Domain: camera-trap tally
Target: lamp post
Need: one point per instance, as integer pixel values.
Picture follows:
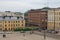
(44, 30)
(44, 35)
(4, 35)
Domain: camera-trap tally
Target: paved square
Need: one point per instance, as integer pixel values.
(21, 36)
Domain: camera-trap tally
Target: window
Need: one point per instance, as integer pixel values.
(0, 25)
(46, 17)
(21, 17)
(22, 24)
(22, 21)
(17, 17)
(8, 21)
(59, 23)
(9, 28)
(9, 24)
(3, 17)
(59, 13)
(10, 17)
(0, 21)
(42, 22)
(56, 13)
(5, 28)
(16, 21)
(16, 24)
(13, 24)
(59, 18)
(5, 25)
(43, 13)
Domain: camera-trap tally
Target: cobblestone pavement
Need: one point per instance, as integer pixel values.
(22, 36)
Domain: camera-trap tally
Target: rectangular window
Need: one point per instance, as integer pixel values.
(3, 17)
(17, 17)
(0, 21)
(0, 25)
(10, 17)
(16, 21)
(5, 28)
(22, 24)
(59, 13)
(59, 23)
(56, 13)
(16, 24)
(9, 28)
(59, 18)
(5, 25)
(8, 21)
(22, 21)
(9, 24)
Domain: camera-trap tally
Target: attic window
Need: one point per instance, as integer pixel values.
(7, 11)
(3, 17)
(9, 16)
(17, 17)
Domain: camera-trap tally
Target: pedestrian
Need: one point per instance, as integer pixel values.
(4, 35)
(24, 34)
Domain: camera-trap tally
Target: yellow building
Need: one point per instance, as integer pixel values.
(11, 22)
(54, 19)
(10, 25)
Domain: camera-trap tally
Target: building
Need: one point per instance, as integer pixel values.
(11, 21)
(26, 21)
(54, 19)
(38, 18)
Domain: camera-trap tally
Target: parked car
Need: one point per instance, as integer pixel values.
(52, 31)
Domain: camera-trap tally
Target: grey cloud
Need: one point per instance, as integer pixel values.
(23, 5)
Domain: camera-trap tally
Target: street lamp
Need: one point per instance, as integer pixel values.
(44, 34)
(44, 29)
(4, 35)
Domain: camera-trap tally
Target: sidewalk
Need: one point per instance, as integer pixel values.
(55, 36)
(19, 36)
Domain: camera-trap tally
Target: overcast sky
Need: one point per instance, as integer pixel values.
(24, 5)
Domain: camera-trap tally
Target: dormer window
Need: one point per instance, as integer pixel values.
(7, 11)
(17, 17)
(10, 17)
(3, 17)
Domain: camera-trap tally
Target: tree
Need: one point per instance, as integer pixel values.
(46, 8)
